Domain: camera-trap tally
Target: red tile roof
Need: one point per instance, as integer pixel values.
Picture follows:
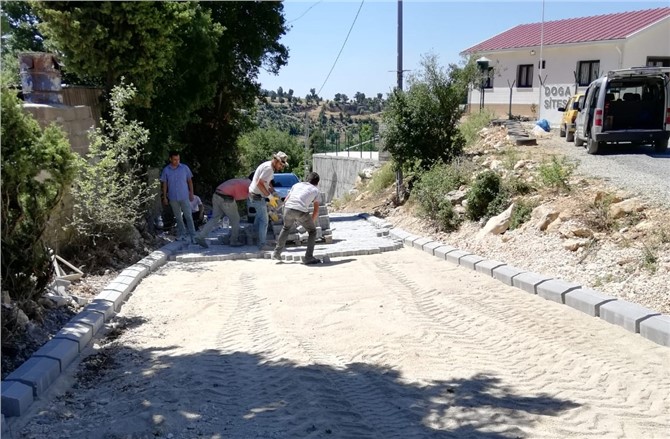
(573, 30)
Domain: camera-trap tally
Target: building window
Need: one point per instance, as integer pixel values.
(658, 61)
(588, 72)
(488, 79)
(524, 76)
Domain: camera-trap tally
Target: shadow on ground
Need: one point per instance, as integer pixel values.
(241, 395)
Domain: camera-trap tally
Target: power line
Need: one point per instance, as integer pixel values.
(341, 49)
(303, 14)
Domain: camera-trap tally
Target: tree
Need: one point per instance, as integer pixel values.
(111, 189)
(421, 123)
(37, 167)
(258, 146)
(113, 39)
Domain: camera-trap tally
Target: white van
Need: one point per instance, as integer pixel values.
(626, 106)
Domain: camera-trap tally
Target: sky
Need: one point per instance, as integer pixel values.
(343, 47)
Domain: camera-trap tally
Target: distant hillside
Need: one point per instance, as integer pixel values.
(333, 124)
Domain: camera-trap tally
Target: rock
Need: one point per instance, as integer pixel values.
(574, 244)
(544, 215)
(581, 232)
(456, 197)
(623, 208)
(498, 224)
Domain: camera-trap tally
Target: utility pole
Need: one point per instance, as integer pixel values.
(398, 175)
(307, 155)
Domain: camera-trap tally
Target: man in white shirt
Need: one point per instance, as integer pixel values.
(296, 209)
(197, 211)
(260, 189)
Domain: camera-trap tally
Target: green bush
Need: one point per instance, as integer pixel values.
(111, 190)
(484, 191)
(431, 189)
(521, 213)
(556, 173)
(37, 166)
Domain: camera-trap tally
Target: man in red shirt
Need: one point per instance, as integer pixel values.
(224, 203)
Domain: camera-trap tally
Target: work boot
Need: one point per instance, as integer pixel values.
(276, 256)
(312, 261)
(201, 242)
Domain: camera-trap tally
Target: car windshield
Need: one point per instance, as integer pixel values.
(285, 180)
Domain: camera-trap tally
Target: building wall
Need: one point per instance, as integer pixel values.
(561, 65)
(338, 173)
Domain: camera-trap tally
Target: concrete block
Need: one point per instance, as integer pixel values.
(103, 307)
(587, 301)
(556, 289)
(487, 266)
(470, 261)
(16, 398)
(62, 350)
(506, 274)
(78, 332)
(112, 296)
(656, 329)
(36, 372)
(455, 256)
(399, 233)
(431, 246)
(442, 251)
(419, 243)
(120, 287)
(625, 314)
(528, 281)
(93, 319)
(136, 271)
(409, 240)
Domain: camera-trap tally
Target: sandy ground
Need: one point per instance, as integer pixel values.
(394, 345)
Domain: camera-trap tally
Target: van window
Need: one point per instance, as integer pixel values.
(587, 72)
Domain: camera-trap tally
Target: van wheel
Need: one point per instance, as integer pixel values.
(592, 146)
(561, 131)
(578, 141)
(661, 146)
(570, 136)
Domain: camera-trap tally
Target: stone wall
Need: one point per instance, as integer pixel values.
(75, 121)
(338, 173)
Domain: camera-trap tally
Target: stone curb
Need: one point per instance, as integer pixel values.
(35, 375)
(649, 324)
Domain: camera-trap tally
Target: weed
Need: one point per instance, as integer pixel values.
(598, 216)
(556, 173)
(649, 258)
(474, 123)
(383, 178)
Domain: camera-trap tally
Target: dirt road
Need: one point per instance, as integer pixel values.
(393, 345)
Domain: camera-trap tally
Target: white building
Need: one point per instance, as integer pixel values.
(542, 64)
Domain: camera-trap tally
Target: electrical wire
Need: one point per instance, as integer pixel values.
(342, 48)
(303, 14)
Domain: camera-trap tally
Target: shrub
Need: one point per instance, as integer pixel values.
(485, 189)
(598, 216)
(555, 174)
(431, 189)
(521, 214)
(37, 166)
(111, 190)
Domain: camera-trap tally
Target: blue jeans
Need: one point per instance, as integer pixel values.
(182, 209)
(261, 219)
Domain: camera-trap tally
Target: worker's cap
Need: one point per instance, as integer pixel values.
(282, 157)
